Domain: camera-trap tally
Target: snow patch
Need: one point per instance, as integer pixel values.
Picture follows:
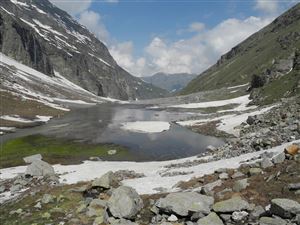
(146, 126)
(242, 85)
(71, 174)
(7, 11)
(17, 118)
(239, 100)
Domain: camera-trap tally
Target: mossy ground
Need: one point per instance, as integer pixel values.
(54, 150)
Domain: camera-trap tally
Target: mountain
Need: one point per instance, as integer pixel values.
(47, 39)
(170, 82)
(271, 55)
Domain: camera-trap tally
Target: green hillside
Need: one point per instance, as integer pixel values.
(265, 53)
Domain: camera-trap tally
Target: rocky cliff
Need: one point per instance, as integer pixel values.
(40, 35)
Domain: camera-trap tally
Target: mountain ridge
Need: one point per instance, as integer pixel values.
(171, 82)
(48, 39)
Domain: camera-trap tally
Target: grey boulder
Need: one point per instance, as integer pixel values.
(231, 205)
(211, 219)
(125, 203)
(39, 168)
(285, 208)
(271, 221)
(104, 181)
(240, 185)
(184, 203)
(30, 159)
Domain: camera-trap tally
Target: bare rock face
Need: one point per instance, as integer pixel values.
(285, 208)
(125, 203)
(44, 37)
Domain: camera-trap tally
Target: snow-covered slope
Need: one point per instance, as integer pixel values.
(24, 81)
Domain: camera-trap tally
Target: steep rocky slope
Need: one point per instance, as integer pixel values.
(171, 82)
(272, 54)
(40, 35)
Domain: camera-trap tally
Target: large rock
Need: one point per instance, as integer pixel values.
(266, 163)
(104, 181)
(30, 159)
(211, 219)
(284, 208)
(184, 203)
(271, 221)
(39, 168)
(231, 205)
(125, 203)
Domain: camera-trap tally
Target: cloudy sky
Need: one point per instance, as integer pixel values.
(172, 36)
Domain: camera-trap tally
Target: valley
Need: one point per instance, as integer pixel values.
(82, 141)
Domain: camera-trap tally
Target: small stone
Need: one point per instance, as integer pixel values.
(255, 171)
(46, 215)
(266, 163)
(211, 219)
(279, 158)
(15, 188)
(47, 198)
(223, 176)
(239, 216)
(237, 174)
(294, 187)
(38, 205)
(240, 185)
(105, 181)
(172, 218)
(98, 220)
(112, 152)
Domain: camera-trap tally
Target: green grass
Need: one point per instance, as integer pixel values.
(281, 88)
(254, 56)
(54, 150)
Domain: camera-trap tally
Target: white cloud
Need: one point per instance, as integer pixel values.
(267, 6)
(73, 7)
(93, 22)
(196, 27)
(195, 54)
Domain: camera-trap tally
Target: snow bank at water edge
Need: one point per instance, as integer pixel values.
(146, 126)
(90, 170)
(17, 118)
(242, 100)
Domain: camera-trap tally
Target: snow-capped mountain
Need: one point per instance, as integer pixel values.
(47, 39)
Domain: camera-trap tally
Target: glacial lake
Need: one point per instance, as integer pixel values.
(102, 124)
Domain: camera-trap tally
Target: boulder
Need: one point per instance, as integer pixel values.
(271, 221)
(172, 218)
(237, 174)
(285, 208)
(231, 205)
(125, 203)
(208, 188)
(240, 185)
(279, 158)
(184, 203)
(30, 159)
(294, 187)
(251, 120)
(39, 168)
(105, 181)
(223, 176)
(292, 149)
(211, 219)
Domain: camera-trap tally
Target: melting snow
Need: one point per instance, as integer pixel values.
(17, 118)
(7, 11)
(146, 126)
(244, 100)
(146, 185)
(242, 85)
(100, 60)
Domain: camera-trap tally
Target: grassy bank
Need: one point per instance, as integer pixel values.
(55, 150)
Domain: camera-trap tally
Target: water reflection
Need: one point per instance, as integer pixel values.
(101, 124)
